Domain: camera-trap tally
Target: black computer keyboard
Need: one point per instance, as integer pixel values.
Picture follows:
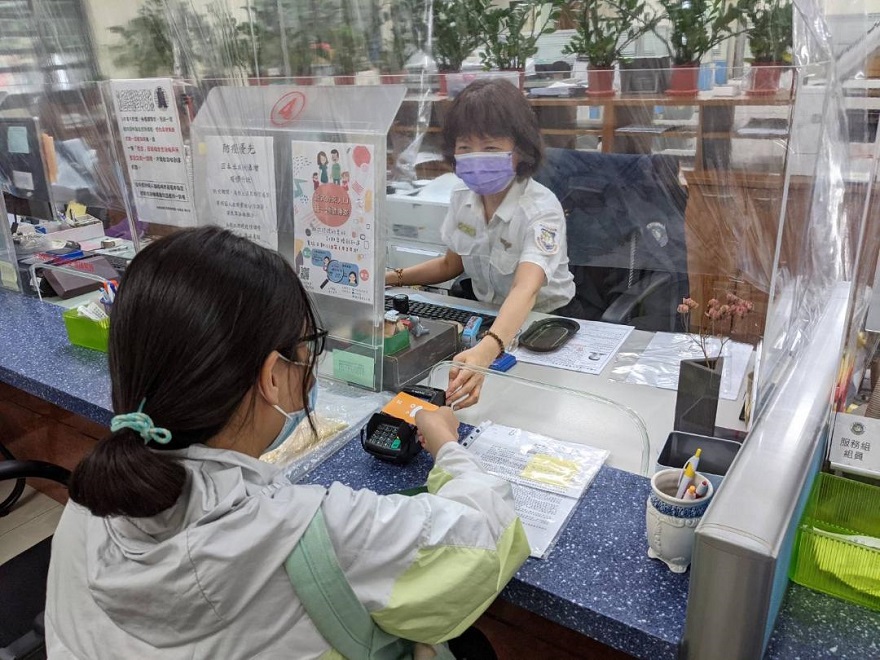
(442, 312)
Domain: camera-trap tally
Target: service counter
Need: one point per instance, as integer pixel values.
(597, 581)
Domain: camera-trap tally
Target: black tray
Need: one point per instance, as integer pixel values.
(548, 335)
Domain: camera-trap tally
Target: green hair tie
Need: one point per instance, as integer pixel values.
(142, 424)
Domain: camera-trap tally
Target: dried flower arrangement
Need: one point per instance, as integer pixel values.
(716, 322)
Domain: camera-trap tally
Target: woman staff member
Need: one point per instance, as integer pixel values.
(504, 230)
(175, 540)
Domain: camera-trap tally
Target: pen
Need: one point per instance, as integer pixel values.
(686, 480)
(109, 292)
(693, 461)
(691, 494)
(702, 488)
(66, 258)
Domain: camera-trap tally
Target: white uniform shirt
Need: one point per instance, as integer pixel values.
(529, 226)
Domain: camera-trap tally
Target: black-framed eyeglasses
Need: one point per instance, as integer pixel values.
(315, 342)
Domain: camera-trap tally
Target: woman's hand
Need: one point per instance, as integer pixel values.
(436, 428)
(464, 384)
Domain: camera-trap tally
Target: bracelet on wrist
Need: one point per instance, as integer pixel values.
(399, 273)
(497, 339)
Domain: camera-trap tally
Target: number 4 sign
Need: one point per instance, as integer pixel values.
(288, 108)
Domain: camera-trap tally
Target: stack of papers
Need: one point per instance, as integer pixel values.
(548, 476)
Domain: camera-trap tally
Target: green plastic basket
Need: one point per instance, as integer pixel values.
(83, 331)
(844, 568)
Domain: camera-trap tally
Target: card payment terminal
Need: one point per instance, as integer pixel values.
(391, 439)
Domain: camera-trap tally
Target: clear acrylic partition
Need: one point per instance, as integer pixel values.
(556, 412)
(699, 187)
(342, 411)
(301, 170)
(58, 164)
(8, 266)
(667, 195)
(829, 237)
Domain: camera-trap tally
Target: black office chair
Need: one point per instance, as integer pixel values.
(23, 578)
(625, 229)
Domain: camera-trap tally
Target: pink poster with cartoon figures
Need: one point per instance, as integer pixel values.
(334, 218)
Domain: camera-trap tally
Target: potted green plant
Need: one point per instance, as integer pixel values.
(347, 47)
(455, 35)
(145, 44)
(770, 40)
(603, 30)
(509, 35)
(301, 55)
(697, 26)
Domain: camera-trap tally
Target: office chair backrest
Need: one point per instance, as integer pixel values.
(23, 578)
(625, 221)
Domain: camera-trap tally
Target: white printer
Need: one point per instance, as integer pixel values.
(414, 219)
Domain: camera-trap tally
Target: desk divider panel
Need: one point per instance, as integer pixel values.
(556, 412)
(301, 170)
(8, 262)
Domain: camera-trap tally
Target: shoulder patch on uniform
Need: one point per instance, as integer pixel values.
(467, 229)
(547, 238)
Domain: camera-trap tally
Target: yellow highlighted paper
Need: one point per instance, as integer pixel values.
(550, 470)
(7, 274)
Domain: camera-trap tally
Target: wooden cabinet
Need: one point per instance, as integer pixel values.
(731, 225)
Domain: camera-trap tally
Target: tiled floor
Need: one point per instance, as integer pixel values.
(33, 518)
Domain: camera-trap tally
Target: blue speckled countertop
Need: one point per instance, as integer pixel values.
(37, 358)
(598, 580)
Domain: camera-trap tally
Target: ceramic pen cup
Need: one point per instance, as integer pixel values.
(671, 521)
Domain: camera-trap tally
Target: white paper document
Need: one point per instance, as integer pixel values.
(156, 157)
(239, 185)
(548, 476)
(659, 364)
(589, 351)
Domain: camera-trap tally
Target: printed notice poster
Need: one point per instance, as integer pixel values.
(333, 212)
(154, 153)
(240, 183)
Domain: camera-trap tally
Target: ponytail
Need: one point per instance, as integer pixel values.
(122, 477)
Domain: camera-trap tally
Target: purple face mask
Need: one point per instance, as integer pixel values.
(486, 173)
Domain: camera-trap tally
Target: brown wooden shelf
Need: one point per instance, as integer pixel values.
(571, 131)
(702, 99)
(671, 133)
(739, 178)
(739, 136)
(398, 128)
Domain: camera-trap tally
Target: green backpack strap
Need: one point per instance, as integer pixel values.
(331, 603)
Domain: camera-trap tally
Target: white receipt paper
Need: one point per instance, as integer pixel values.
(548, 477)
(589, 351)
(660, 362)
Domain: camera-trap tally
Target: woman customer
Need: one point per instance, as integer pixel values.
(178, 542)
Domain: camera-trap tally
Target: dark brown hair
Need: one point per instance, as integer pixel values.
(495, 108)
(197, 314)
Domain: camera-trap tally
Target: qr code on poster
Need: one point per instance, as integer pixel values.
(304, 273)
(135, 100)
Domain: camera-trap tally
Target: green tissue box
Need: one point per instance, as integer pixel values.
(837, 550)
(83, 331)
